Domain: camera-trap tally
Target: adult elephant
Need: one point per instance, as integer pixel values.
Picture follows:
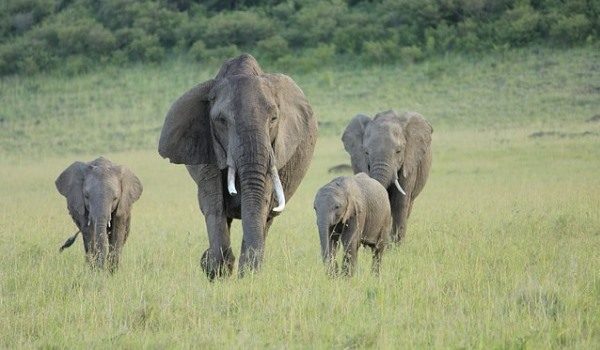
(247, 130)
(396, 151)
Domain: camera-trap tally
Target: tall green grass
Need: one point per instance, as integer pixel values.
(502, 249)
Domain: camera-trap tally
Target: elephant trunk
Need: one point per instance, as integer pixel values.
(383, 173)
(253, 169)
(324, 235)
(101, 241)
(386, 176)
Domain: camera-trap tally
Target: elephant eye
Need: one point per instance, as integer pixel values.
(273, 119)
(398, 151)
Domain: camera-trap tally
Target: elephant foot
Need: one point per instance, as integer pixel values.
(250, 262)
(217, 266)
(397, 238)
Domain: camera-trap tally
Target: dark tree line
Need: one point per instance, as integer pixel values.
(76, 35)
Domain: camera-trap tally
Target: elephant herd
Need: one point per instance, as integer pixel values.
(247, 138)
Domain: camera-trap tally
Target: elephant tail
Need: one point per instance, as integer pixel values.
(69, 242)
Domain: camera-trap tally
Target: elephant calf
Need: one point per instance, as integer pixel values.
(99, 198)
(356, 210)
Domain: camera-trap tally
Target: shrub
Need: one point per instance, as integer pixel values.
(21, 22)
(356, 28)
(100, 41)
(75, 65)
(198, 50)
(309, 59)
(411, 54)
(219, 54)
(314, 23)
(519, 26)
(570, 29)
(145, 47)
(240, 28)
(273, 48)
(380, 51)
(34, 34)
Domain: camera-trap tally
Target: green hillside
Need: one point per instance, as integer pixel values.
(76, 36)
(115, 109)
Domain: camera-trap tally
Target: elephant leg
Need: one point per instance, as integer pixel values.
(400, 205)
(116, 240)
(88, 245)
(218, 259)
(376, 265)
(350, 254)
(331, 263)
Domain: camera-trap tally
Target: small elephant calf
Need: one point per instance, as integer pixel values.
(356, 210)
(99, 198)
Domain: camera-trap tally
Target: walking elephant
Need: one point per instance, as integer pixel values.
(247, 131)
(396, 151)
(99, 198)
(355, 210)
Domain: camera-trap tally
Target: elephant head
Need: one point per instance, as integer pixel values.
(245, 121)
(389, 148)
(96, 193)
(335, 205)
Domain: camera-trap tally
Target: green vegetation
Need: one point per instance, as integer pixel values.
(78, 35)
(116, 109)
(502, 246)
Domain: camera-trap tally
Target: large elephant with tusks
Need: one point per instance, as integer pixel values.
(247, 139)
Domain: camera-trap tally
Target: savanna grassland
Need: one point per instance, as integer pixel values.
(502, 250)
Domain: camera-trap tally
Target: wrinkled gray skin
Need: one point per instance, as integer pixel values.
(99, 198)
(390, 147)
(255, 124)
(355, 210)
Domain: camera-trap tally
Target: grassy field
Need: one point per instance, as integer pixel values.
(502, 250)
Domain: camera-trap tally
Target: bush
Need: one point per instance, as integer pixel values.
(309, 59)
(219, 54)
(75, 65)
(240, 28)
(380, 51)
(273, 48)
(519, 26)
(314, 23)
(198, 50)
(145, 47)
(570, 29)
(355, 29)
(411, 54)
(34, 34)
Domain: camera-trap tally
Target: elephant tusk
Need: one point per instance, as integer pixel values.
(399, 187)
(231, 180)
(109, 223)
(89, 222)
(278, 190)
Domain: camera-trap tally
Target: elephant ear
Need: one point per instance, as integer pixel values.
(353, 142)
(70, 184)
(355, 208)
(296, 121)
(417, 132)
(131, 190)
(186, 135)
